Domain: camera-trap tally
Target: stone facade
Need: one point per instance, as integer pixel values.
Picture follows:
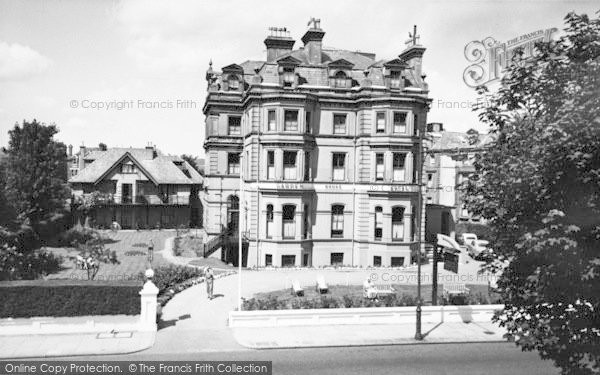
(328, 143)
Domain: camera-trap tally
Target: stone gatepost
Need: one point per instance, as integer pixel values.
(149, 304)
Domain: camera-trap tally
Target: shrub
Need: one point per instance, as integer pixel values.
(16, 265)
(168, 276)
(25, 299)
(326, 302)
(80, 235)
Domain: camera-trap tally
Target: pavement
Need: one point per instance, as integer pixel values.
(108, 335)
(365, 335)
(192, 323)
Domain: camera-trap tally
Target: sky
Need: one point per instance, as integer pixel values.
(130, 73)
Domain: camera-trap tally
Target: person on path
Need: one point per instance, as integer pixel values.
(150, 251)
(210, 279)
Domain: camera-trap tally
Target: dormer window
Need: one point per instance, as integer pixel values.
(340, 80)
(287, 72)
(395, 80)
(234, 82)
(288, 77)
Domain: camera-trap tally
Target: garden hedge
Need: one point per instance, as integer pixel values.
(38, 298)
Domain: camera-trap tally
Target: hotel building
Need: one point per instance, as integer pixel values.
(328, 143)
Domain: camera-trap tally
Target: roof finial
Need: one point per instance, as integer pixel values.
(414, 38)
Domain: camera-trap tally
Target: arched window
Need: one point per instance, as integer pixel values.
(397, 223)
(337, 221)
(340, 79)
(378, 223)
(233, 211)
(234, 82)
(269, 221)
(289, 221)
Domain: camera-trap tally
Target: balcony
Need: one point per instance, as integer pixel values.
(149, 200)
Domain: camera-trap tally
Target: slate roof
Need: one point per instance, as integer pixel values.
(328, 55)
(161, 169)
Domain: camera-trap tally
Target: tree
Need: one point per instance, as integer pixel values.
(538, 185)
(192, 160)
(36, 176)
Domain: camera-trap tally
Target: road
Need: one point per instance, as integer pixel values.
(438, 359)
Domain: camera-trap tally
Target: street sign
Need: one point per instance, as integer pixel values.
(450, 262)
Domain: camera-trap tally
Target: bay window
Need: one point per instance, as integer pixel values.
(269, 221)
(397, 223)
(290, 121)
(339, 123)
(271, 121)
(399, 122)
(233, 163)
(380, 122)
(337, 221)
(289, 221)
(379, 167)
(270, 165)
(289, 165)
(339, 162)
(398, 166)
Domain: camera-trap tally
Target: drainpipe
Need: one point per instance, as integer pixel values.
(258, 153)
(355, 159)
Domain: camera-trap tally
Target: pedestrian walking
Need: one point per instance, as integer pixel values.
(210, 280)
(150, 251)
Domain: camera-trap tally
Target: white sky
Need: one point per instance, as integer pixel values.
(54, 52)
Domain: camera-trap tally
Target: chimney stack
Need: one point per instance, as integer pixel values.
(313, 41)
(81, 158)
(278, 43)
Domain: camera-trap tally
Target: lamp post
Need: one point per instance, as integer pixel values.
(418, 334)
(240, 210)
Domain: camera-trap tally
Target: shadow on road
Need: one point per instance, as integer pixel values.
(172, 322)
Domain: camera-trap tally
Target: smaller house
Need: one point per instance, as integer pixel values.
(448, 163)
(139, 188)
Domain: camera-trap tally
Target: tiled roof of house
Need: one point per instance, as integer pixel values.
(160, 168)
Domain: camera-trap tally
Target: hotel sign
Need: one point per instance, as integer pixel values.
(489, 58)
(344, 187)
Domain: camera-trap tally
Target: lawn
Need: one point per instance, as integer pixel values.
(131, 248)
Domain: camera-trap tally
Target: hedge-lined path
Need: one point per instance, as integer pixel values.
(131, 247)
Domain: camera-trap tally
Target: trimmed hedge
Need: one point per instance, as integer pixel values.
(37, 298)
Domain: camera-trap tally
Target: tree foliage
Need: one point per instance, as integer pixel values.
(192, 160)
(36, 175)
(538, 186)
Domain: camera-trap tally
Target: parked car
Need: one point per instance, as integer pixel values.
(467, 238)
(477, 248)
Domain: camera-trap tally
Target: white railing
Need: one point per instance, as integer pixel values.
(372, 315)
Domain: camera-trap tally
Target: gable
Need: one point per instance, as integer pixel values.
(396, 63)
(233, 68)
(341, 63)
(289, 60)
(127, 158)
